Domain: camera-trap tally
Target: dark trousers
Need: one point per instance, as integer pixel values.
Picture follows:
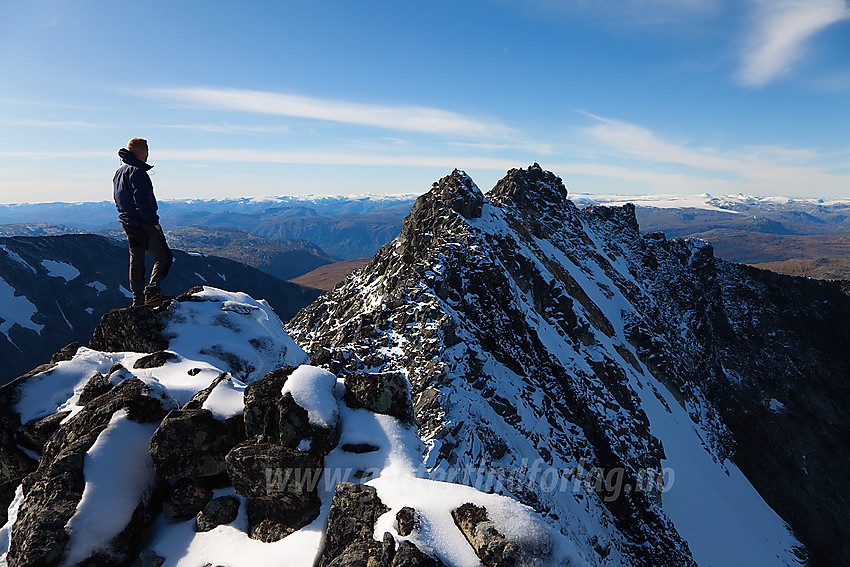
(146, 238)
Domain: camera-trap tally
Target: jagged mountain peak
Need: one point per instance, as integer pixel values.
(532, 187)
(535, 332)
(457, 191)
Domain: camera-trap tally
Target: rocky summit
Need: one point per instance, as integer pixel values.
(512, 381)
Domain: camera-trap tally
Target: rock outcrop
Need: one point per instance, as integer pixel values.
(490, 545)
(351, 523)
(279, 484)
(217, 512)
(135, 329)
(137, 443)
(385, 393)
(191, 443)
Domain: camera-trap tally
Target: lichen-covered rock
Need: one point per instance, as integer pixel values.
(133, 329)
(385, 393)
(189, 294)
(272, 519)
(293, 422)
(34, 435)
(197, 401)
(359, 448)
(191, 443)
(15, 465)
(359, 553)
(267, 470)
(96, 386)
(351, 524)
(154, 360)
(408, 555)
(261, 404)
(53, 491)
(490, 545)
(185, 499)
(387, 549)
(407, 520)
(67, 352)
(217, 512)
(281, 486)
(273, 417)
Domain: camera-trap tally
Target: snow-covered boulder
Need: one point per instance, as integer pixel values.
(78, 503)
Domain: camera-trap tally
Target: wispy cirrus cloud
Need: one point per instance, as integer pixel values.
(405, 118)
(641, 142)
(62, 124)
(629, 12)
(335, 157)
(759, 169)
(226, 128)
(781, 32)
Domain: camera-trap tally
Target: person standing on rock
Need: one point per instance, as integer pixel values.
(136, 204)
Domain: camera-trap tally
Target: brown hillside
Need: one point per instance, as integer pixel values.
(837, 268)
(757, 247)
(326, 277)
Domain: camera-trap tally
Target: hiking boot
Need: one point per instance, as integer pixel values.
(157, 300)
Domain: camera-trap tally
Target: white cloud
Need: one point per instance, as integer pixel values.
(61, 124)
(536, 148)
(406, 118)
(754, 169)
(641, 142)
(330, 157)
(47, 154)
(226, 128)
(629, 12)
(782, 31)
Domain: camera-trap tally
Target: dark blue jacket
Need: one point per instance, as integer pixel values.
(133, 191)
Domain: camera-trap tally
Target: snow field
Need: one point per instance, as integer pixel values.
(118, 472)
(239, 334)
(16, 310)
(60, 270)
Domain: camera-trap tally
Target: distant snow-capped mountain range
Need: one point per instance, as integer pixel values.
(357, 226)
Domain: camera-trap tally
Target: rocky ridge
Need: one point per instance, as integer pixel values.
(621, 384)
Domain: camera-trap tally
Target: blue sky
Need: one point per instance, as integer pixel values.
(318, 97)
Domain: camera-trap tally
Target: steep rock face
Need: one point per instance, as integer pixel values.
(585, 368)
